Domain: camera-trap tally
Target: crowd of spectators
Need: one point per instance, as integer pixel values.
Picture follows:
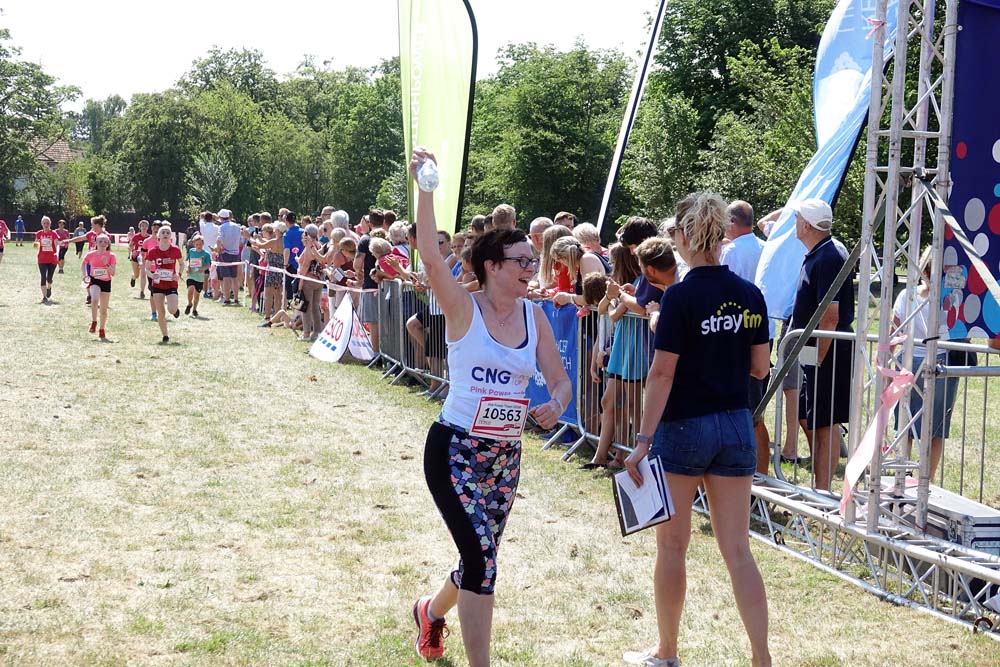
(286, 266)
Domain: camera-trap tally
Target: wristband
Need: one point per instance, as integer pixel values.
(643, 439)
(562, 408)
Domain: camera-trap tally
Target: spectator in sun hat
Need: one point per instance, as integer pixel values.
(825, 398)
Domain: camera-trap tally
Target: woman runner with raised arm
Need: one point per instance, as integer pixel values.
(472, 455)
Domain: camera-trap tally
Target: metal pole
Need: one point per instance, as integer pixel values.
(942, 185)
(867, 225)
(889, 251)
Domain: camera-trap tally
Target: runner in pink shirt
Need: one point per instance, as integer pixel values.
(98, 270)
(144, 248)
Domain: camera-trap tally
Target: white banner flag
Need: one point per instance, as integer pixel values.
(332, 342)
(360, 344)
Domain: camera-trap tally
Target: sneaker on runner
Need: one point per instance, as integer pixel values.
(132, 282)
(152, 317)
(430, 633)
(647, 659)
(142, 295)
(101, 335)
(194, 313)
(166, 339)
(187, 310)
(177, 313)
(93, 327)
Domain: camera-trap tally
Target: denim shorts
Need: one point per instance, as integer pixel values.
(721, 443)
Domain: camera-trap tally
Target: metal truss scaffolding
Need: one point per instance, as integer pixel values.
(882, 543)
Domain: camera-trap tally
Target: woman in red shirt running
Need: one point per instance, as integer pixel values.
(135, 254)
(163, 264)
(98, 270)
(47, 243)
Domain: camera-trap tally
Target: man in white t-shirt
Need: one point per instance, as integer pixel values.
(210, 233)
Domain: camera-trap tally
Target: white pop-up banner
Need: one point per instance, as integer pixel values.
(344, 331)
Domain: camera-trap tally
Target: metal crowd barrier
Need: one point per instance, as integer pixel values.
(608, 410)
(970, 459)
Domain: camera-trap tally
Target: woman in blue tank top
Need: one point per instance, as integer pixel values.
(472, 455)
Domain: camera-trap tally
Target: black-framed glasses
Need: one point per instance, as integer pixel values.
(524, 262)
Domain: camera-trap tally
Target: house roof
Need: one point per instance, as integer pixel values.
(54, 152)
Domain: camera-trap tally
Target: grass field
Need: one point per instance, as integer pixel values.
(228, 500)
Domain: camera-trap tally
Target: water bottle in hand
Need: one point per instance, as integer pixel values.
(427, 176)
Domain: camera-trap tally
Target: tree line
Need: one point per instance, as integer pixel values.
(727, 107)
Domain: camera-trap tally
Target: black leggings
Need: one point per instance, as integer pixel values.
(473, 483)
(48, 272)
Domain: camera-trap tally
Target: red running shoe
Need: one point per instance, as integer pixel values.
(429, 633)
(93, 327)
(101, 335)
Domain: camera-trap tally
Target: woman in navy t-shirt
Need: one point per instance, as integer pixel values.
(711, 337)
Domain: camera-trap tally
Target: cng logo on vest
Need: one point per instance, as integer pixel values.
(730, 321)
(490, 375)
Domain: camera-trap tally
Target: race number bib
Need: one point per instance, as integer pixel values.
(165, 274)
(500, 418)
(194, 263)
(98, 273)
(47, 244)
(338, 274)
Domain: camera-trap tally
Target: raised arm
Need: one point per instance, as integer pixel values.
(454, 301)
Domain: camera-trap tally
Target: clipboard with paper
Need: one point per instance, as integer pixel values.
(641, 507)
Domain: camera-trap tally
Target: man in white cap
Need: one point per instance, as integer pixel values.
(825, 399)
(230, 241)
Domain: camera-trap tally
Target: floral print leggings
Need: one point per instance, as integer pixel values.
(473, 482)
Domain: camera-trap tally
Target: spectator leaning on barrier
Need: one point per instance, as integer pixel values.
(659, 266)
(826, 387)
(565, 219)
(548, 278)
(619, 403)
(364, 263)
(711, 338)
(573, 261)
(311, 269)
(292, 247)
(741, 255)
(504, 217)
(271, 247)
(477, 227)
(535, 231)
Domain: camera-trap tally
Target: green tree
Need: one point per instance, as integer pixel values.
(660, 162)
(156, 142)
(699, 38)
(29, 115)
(93, 123)
(210, 181)
(544, 130)
(241, 69)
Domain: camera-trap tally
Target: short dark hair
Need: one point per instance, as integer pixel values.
(478, 223)
(376, 217)
(490, 247)
(290, 217)
(636, 230)
(389, 217)
(741, 213)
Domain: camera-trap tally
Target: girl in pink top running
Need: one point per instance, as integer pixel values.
(98, 269)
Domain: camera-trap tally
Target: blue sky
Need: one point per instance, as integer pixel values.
(129, 46)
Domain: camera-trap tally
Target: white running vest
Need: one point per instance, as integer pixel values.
(487, 380)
